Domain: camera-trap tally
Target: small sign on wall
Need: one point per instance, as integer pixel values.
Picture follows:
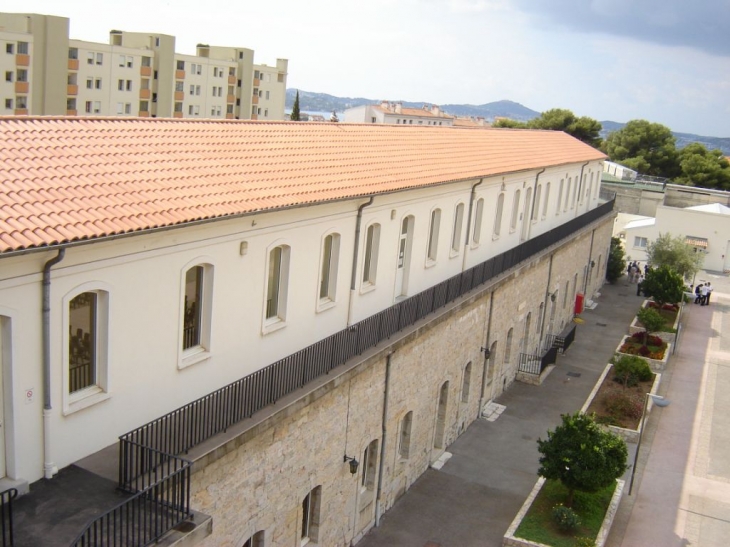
(29, 395)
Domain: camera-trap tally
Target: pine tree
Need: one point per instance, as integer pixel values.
(295, 109)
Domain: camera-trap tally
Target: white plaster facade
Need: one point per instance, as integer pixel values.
(706, 226)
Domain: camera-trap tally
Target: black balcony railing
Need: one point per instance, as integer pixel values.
(535, 364)
(161, 486)
(6, 515)
(192, 424)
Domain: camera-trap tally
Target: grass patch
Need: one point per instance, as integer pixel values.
(538, 524)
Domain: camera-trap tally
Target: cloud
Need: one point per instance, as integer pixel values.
(700, 25)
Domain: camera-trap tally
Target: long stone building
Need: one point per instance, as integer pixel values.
(275, 328)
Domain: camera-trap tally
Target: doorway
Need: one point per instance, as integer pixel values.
(438, 439)
(405, 244)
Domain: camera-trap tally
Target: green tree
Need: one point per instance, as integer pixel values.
(651, 320)
(581, 455)
(512, 124)
(649, 148)
(664, 285)
(616, 261)
(294, 116)
(676, 254)
(703, 168)
(560, 119)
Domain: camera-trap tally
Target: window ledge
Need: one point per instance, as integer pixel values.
(268, 328)
(367, 287)
(430, 263)
(91, 399)
(495, 237)
(193, 359)
(454, 254)
(325, 304)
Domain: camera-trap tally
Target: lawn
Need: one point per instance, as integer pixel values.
(538, 524)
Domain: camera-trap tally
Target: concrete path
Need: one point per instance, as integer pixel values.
(682, 490)
(472, 500)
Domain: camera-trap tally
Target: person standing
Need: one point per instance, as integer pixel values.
(698, 293)
(709, 292)
(639, 283)
(703, 294)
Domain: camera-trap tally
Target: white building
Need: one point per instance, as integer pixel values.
(393, 113)
(706, 227)
(178, 259)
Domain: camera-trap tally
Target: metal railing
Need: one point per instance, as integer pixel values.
(6, 515)
(568, 338)
(535, 364)
(142, 450)
(161, 502)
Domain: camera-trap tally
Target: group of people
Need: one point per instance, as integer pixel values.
(633, 271)
(702, 294)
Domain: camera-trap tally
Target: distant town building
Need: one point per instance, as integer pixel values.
(472, 122)
(394, 113)
(135, 74)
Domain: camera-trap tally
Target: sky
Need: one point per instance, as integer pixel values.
(665, 61)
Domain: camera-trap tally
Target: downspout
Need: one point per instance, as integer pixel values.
(487, 360)
(468, 222)
(49, 469)
(378, 508)
(353, 279)
(532, 209)
(590, 254)
(580, 187)
(549, 295)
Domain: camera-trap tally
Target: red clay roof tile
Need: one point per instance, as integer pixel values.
(66, 179)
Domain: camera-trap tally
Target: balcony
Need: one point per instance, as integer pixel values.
(232, 79)
(256, 82)
(144, 114)
(21, 111)
(230, 116)
(147, 71)
(73, 64)
(22, 87)
(177, 114)
(146, 462)
(179, 95)
(255, 99)
(72, 89)
(230, 99)
(22, 59)
(72, 112)
(179, 74)
(145, 93)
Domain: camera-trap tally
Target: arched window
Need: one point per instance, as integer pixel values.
(478, 214)
(515, 211)
(508, 347)
(370, 262)
(547, 199)
(458, 223)
(328, 272)
(498, 215)
(404, 438)
(433, 235)
(466, 383)
(536, 204)
(277, 283)
(560, 197)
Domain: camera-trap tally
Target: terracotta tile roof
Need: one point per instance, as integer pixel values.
(68, 179)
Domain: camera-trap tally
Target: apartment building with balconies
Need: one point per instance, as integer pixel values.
(135, 74)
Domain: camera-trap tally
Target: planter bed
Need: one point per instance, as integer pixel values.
(668, 337)
(657, 365)
(510, 540)
(627, 434)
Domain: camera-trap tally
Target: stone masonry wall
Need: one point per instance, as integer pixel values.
(260, 485)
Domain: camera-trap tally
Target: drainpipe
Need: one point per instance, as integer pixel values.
(49, 469)
(548, 295)
(378, 508)
(472, 196)
(487, 360)
(580, 187)
(590, 254)
(353, 279)
(532, 209)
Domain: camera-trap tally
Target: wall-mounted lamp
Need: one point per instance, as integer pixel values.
(354, 464)
(486, 352)
(593, 263)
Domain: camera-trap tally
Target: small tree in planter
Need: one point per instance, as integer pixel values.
(664, 285)
(651, 320)
(581, 455)
(629, 370)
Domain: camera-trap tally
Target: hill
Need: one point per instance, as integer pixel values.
(322, 102)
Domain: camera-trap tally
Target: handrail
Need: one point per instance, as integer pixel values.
(161, 502)
(6, 515)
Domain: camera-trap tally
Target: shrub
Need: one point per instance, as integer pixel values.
(630, 370)
(585, 542)
(624, 404)
(651, 340)
(565, 518)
